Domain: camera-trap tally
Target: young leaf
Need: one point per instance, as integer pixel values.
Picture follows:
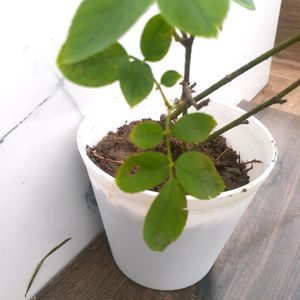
(98, 24)
(40, 264)
(156, 39)
(169, 78)
(249, 4)
(98, 70)
(146, 134)
(193, 128)
(136, 81)
(198, 175)
(197, 17)
(142, 171)
(167, 217)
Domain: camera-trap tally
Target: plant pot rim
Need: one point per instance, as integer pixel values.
(90, 118)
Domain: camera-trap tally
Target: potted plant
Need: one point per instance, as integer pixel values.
(167, 190)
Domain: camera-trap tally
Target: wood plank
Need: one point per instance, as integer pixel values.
(260, 261)
(289, 25)
(283, 73)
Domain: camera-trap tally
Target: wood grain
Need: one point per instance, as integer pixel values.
(283, 73)
(260, 261)
(289, 25)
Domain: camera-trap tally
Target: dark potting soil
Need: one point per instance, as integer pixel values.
(115, 147)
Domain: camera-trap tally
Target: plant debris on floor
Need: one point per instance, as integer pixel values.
(115, 147)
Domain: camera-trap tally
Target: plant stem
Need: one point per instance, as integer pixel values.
(177, 37)
(188, 55)
(188, 45)
(183, 105)
(167, 132)
(184, 35)
(166, 102)
(274, 100)
(168, 144)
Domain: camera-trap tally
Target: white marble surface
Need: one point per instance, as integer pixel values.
(45, 192)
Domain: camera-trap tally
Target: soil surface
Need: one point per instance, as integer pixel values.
(115, 147)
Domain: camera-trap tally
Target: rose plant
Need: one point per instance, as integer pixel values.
(92, 56)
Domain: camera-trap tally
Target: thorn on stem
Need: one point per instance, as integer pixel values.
(282, 101)
(203, 103)
(193, 85)
(245, 122)
(163, 119)
(187, 93)
(176, 101)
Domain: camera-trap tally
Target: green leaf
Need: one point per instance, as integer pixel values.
(136, 81)
(146, 134)
(98, 70)
(167, 217)
(249, 4)
(193, 128)
(98, 24)
(197, 17)
(198, 175)
(40, 264)
(142, 171)
(170, 78)
(156, 39)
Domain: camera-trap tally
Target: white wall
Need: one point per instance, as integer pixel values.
(245, 35)
(45, 193)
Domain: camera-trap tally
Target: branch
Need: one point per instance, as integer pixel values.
(184, 35)
(188, 45)
(188, 96)
(177, 38)
(188, 55)
(241, 120)
(182, 105)
(166, 102)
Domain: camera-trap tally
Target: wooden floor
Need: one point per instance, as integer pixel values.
(261, 259)
(289, 25)
(283, 73)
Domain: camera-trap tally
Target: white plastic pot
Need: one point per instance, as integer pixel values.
(210, 222)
